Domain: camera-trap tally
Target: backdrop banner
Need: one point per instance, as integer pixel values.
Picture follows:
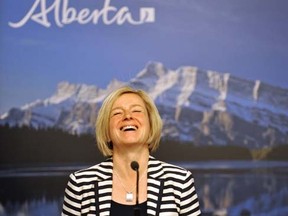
(217, 71)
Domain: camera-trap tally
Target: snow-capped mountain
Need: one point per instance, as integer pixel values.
(206, 107)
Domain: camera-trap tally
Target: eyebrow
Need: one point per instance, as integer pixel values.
(132, 106)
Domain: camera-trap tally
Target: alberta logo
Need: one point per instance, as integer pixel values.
(60, 13)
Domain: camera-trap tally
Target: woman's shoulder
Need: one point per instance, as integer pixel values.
(168, 168)
(101, 170)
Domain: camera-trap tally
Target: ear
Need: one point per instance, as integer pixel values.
(110, 145)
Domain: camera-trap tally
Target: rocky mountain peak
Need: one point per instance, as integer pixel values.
(204, 107)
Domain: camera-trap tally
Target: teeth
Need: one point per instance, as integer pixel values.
(128, 127)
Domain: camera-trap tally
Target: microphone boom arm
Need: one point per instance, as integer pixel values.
(135, 167)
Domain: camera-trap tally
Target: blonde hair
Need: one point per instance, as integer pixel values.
(103, 120)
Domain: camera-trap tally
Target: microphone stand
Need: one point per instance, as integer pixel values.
(135, 167)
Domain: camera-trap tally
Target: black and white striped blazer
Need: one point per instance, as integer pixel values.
(170, 190)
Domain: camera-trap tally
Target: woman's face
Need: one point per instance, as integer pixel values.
(129, 121)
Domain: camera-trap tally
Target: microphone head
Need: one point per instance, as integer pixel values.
(134, 165)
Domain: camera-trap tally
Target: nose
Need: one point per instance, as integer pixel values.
(127, 115)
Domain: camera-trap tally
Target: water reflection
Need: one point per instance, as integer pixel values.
(225, 191)
(31, 196)
(260, 193)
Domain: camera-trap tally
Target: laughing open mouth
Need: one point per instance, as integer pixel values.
(129, 128)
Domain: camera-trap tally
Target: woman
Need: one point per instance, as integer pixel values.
(128, 128)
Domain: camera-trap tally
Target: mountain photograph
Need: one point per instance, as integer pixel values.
(212, 115)
(216, 70)
(218, 125)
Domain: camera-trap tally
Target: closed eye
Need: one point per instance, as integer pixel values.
(116, 113)
(137, 111)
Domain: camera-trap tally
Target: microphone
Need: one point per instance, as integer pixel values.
(135, 166)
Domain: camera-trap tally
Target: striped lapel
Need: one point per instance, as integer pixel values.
(155, 183)
(103, 188)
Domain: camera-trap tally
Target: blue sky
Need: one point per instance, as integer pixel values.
(247, 38)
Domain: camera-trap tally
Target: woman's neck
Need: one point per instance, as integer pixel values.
(124, 177)
(122, 162)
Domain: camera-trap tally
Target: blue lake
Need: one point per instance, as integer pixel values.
(224, 187)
